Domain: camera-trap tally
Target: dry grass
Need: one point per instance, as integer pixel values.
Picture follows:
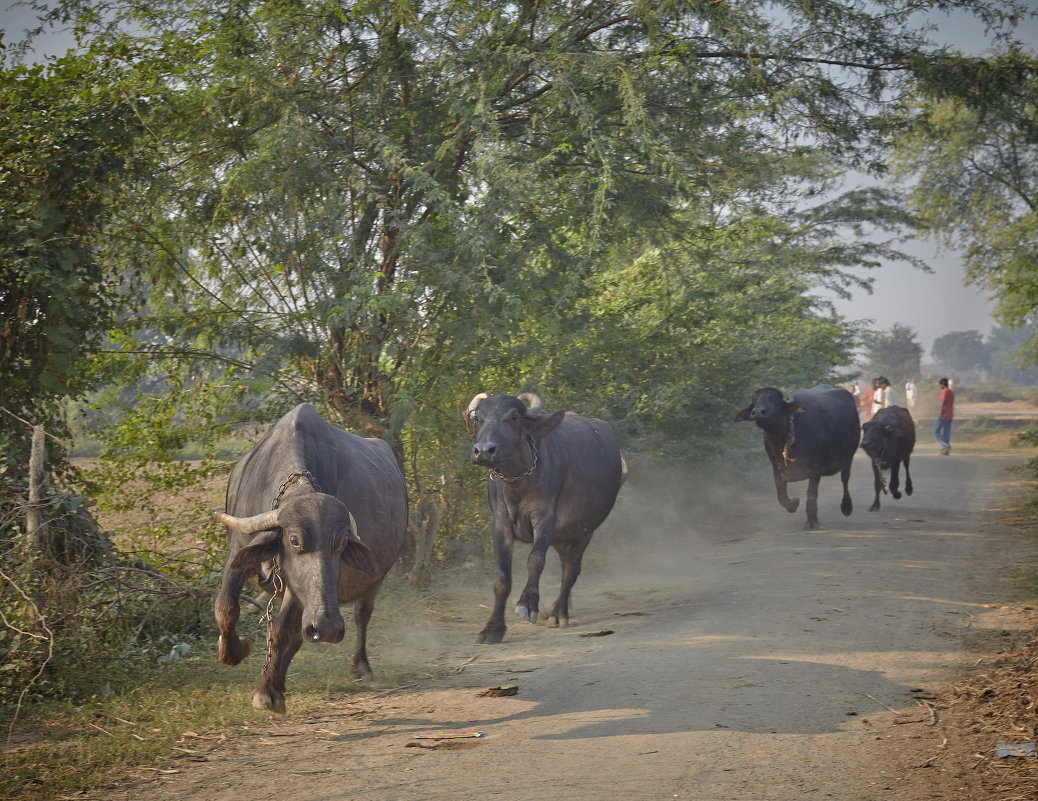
(951, 752)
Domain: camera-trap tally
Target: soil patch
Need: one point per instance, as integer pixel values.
(957, 745)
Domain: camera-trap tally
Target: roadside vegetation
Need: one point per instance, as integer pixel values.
(213, 213)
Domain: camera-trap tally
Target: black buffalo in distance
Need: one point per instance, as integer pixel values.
(811, 434)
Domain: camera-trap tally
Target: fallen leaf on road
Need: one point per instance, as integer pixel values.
(495, 692)
(447, 735)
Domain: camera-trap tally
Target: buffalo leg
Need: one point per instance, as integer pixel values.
(783, 495)
(877, 478)
(570, 554)
(494, 631)
(530, 600)
(895, 480)
(285, 638)
(812, 502)
(231, 648)
(362, 609)
(908, 479)
(846, 504)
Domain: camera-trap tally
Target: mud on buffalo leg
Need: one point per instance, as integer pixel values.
(286, 637)
(570, 554)
(846, 504)
(231, 648)
(494, 631)
(812, 502)
(908, 479)
(362, 609)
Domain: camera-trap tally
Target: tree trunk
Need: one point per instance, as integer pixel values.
(35, 533)
(36, 545)
(423, 527)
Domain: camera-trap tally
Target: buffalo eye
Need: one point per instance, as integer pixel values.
(515, 416)
(293, 541)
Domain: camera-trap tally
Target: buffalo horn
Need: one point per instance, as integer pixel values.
(249, 525)
(475, 402)
(536, 406)
(353, 525)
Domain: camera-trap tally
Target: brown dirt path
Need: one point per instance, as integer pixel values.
(746, 659)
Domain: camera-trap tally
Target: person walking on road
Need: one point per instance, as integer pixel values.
(883, 396)
(865, 404)
(944, 420)
(910, 394)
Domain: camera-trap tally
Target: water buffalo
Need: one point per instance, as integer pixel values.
(553, 480)
(317, 516)
(812, 434)
(888, 439)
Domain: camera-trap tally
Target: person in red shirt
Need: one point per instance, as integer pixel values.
(865, 403)
(944, 419)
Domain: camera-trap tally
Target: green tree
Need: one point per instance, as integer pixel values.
(1009, 360)
(972, 151)
(66, 137)
(894, 353)
(344, 185)
(960, 351)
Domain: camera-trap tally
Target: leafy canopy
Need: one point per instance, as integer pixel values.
(972, 151)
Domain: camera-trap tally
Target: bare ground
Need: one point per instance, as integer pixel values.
(718, 652)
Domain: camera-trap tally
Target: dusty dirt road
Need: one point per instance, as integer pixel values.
(745, 658)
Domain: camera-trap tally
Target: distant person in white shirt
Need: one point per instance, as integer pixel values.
(910, 393)
(883, 396)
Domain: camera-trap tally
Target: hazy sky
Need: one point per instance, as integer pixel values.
(931, 304)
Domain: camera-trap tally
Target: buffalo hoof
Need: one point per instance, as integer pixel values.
(361, 671)
(874, 507)
(269, 702)
(908, 489)
(846, 508)
(491, 635)
(896, 494)
(526, 613)
(232, 649)
(812, 525)
(557, 622)
(793, 505)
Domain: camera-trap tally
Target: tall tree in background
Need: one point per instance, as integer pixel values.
(972, 152)
(1009, 360)
(960, 351)
(894, 353)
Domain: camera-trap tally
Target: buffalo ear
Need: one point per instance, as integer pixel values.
(263, 547)
(542, 426)
(359, 556)
(743, 414)
(793, 407)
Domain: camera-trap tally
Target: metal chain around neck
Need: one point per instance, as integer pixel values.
(268, 618)
(282, 489)
(275, 573)
(496, 476)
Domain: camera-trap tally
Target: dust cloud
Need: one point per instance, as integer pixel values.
(666, 518)
(667, 521)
